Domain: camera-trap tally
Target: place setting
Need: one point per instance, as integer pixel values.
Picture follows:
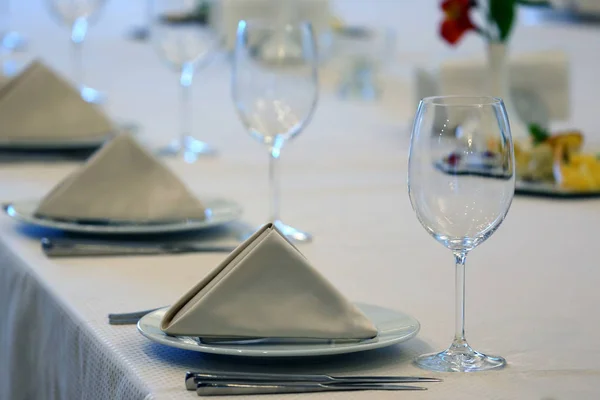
(265, 300)
(125, 201)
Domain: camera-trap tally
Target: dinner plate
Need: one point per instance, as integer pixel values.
(219, 212)
(55, 144)
(393, 327)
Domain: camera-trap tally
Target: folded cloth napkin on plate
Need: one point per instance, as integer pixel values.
(122, 182)
(266, 288)
(39, 104)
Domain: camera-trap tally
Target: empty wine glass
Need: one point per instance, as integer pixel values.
(186, 42)
(275, 91)
(461, 183)
(77, 15)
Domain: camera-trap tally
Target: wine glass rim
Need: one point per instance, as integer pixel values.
(462, 101)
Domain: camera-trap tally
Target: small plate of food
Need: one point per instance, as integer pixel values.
(557, 165)
(549, 165)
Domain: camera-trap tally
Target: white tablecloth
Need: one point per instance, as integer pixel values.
(532, 289)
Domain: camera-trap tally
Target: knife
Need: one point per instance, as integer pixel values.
(248, 388)
(63, 247)
(192, 378)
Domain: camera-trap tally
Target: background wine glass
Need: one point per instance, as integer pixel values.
(11, 39)
(461, 183)
(275, 91)
(185, 42)
(77, 15)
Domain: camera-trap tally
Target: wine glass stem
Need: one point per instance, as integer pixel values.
(285, 12)
(185, 110)
(78, 32)
(5, 17)
(149, 13)
(460, 258)
(274, 153)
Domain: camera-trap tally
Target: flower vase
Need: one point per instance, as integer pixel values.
(499, 86)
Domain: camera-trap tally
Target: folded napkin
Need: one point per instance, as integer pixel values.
(39, 104)
(122, 182)
(266, 289)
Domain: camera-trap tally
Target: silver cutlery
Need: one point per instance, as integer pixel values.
(130, 318)
(249, 388)
(193, 378)
(64, 247)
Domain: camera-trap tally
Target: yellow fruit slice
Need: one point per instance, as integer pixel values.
(336, 23)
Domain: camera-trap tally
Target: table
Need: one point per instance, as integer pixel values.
(531, 290)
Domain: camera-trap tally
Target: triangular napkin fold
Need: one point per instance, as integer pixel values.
(266, 289)
(39, 104)
(122, 182)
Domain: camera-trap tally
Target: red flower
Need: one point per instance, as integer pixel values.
(457, 21)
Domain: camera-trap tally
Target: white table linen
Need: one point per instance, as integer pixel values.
(532, 289)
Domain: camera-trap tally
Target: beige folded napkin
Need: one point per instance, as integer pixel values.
(39, 104)
(266, 289)
(122, 182)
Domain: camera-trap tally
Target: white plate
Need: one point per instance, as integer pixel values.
(393, 326)
(55, 144)
(219, 212)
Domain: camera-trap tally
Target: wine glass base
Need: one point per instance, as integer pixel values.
(14, 41)
(191, 149)
(292, 233)
(459, 357)
(364, 91)
(91, 95)
(139, 34)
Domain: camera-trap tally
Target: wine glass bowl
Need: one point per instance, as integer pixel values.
(69, 11)
(461, 184)
(275, 91)
(183, 43)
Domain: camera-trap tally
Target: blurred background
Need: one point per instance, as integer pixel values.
(120, 61)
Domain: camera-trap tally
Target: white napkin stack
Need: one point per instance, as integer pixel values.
(122, 182)
(266, 289)
(39, 104)
(228, 13)
(541, 75)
